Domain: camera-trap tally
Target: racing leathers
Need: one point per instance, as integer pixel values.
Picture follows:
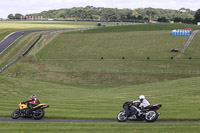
(143, 103)
(132, 107)
(32, 102)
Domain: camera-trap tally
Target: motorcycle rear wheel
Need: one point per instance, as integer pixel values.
(121, 117)
(16, 114)
(38, 114)
(151, 116)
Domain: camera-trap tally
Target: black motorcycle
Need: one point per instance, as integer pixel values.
(148, 113)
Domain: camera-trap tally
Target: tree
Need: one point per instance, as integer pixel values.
(188, 10)
(106, 14)
(17, 16)
(177, 19)
(135, 14)
(182, 10)
(149, 13)
(10, 16)
(162, 19)
(188, 20)
(197, 16)
(141, 12)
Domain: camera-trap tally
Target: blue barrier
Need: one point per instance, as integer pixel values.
(181, 33)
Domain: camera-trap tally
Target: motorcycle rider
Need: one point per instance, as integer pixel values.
(32, 102)
(141, 104)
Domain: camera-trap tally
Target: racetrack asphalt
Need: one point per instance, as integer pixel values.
(9, 40)
(85, 121)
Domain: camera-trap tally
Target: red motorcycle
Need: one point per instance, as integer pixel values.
(148, 113)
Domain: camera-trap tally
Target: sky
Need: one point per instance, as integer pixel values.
(36, 6)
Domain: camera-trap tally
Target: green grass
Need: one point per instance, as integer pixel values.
(133, 45)
(145, 27)
(69, 75)
(194, 47)
(39, 25)
(77, 57)
(23, 25)
(179, 98)
(4, 33)
(74, 57)
(23, 127)
(17, 48)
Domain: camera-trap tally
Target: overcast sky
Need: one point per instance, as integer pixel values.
(36, 6)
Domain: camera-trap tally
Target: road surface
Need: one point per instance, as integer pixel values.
(85, 121)
(10, 39)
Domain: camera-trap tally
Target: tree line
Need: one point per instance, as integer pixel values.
(107, 14)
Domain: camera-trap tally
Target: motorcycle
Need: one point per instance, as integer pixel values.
(23, 111)
(148, 113)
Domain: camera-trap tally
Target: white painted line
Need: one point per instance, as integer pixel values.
(10, 45)
(7, 36)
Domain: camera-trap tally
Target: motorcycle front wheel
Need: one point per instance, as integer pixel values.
(121, 117)
(38, 114)
(16, 114)
(151, 116)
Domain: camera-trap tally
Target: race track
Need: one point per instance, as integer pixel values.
(85, 121)
(10, 39)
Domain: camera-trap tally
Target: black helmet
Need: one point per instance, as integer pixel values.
(33, 96)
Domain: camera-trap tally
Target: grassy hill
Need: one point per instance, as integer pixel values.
(69, 75)
(71, 64)
(179, 98)
(75, 57)
(145, 27)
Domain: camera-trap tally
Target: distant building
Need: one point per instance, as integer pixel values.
(1, 19)
(50, 19)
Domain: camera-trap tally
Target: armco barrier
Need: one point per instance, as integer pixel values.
(32, 45)
(67, 30)
(27, 50)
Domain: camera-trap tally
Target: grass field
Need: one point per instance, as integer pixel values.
(23, 25)
(77, 57)
(23, 127)
(17, 49)
(179, 98)
(145, 27)
(69, 75)
(132, 45)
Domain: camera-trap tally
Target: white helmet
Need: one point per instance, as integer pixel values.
(141, 97)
